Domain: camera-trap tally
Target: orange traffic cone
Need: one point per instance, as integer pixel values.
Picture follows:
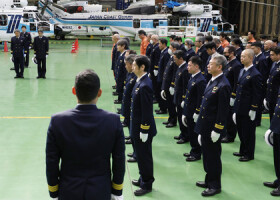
(77, 43)
(73, 48)
(6, 47)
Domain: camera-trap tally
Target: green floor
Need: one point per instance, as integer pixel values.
(26, 105)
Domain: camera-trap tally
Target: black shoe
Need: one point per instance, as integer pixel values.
(38, 77)
(131, 160)
(165, 123)
(245, 159)
(270, 184)
(170, 125)
(21, 77)
(124, 124)
(141, 192)
(201, 184)
(187, 154)
(265, 111)
(275, 192)
(119, 109)
(160, 112)
(117, 102)
(192, 158)
(128, 142)
(115, 94)
(43, 77)
(227, 140)
(118, 112)
(210, 192)
(258, 124)
(155, 101)
(130, 155)
(113, 87)
(237, 154)
(127, 137)
(177, 138)
(17, 77)
(12, 68)
(135, 183)
(181, 141)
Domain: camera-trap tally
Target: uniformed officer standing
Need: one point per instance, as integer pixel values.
(212, 52)
(150, 46)
(78, 152)
(189, 50)
(28, 42)
(237, 43)
(231, 72)
(142, 124)
(18, 46)
(220, 49)
(41, 52)
(267, 46)
(247, 102)
(182, 45)
(181, 82)
(201, 52)
(210, 124)
(192, 102)
(273, 82)
(115, 54)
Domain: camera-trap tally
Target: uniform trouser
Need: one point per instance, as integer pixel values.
(276, 155)
(184, 130)
(19, 65)
(41, 66)
(127, 121)
(260, 108)
(145, 161)
(161, 103)
(119, 89)
(154, 81)
(212, 161)
(231, 126)
(196, 149)
(247, 133)
(26, 59)
(271, 107)
(171, 108)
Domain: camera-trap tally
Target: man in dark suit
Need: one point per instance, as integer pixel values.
(237, 43)
(220, 49)
(189, 50)
(41, 52)
(210, 124)
(231, 72)
(28, 41)
(142, 125)
(192, 102)
(201, 52)
(18, 46)
(115, 54)
(246, 104)
(150, 46)
(79, 145)
(181, 82)
(182, 45)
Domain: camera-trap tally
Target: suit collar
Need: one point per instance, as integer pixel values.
(83, 107)
(214, 83)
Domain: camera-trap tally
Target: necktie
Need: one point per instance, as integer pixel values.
(209, 83)
(242, 73)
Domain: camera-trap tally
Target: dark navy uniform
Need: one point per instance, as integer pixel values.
(149, 50)
(120, 75)
(28, 42)
(84, 139)
(182, 47)
(248, 98)
(154, 65)
(115, 55)
(273, 84)
(194, 93)
(232, 73)
(142, 120)
(212, 117)
(190, 53)
(268, 59)
(18, 46)
(202, 53)
(220, 50)
(238, 53)
(166, 84)
(206, 74)
(181, 83)
(41, 50)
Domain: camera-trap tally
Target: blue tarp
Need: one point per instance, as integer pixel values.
(171, 4)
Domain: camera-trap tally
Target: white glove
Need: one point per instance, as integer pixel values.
(55, 198)
(144, 137)
(231, 102)
(234, 118)
(195, 117)
(155, 72)
(163, 95)
(149, 75)
(115, 197)
(268, 137)
(215, 136)
(171, 90)
(199, 139)
(183, 104)
(252, 115)
(29, 47)
(47, 56)
(184, 121)
(24, 55)
(265, 104)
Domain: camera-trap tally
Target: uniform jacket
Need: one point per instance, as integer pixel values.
(168, 74)
(275, 122)
(273, 83)
(202, 53)
(155, 58)
(115, 55)
(261, 64)
(220, 50)
(18, 46)
(28, 39)
(149, 50)
(41, 47)
(163, 60)
(190, 53)
(120, 71)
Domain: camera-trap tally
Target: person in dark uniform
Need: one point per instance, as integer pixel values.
(28, 42)
(142, 125)
(182, 45)
(172, 38)
(163, 60)
(115, 54)
(120, 69)
(212, 52)
(231, 72)
(18, 46)
(266, 51)
(189, 50)
(79, 145)
(220, 49)
(181, 82)
(274, 132)
(237, 43)
(208, 39)
(41, 52)
(192, 102)
(273, 82)
(170, 69)
(246, 104)
(210, 124)
(150, 46)
(201, 52)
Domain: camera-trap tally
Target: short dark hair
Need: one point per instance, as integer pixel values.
(122, 42)
(196, 60)
(115, 32)
(23, 26)
(172, 37)
(40, 30)
(127, 39)
(130, 52)
(179, 39)
(130, 58)
(163, 41)
(209, 38)
(253, 32)
(175, 45)
(257, 44)
(275, 40)
(231, 49)
(233, 36)
(143, 60)
(276, 50)
(223, 35)
(180, 54)
(264, 37)
(211, 45)
(237, 41)
(140, 32)
(87, 85)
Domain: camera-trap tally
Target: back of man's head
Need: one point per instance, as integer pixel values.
(87, 85)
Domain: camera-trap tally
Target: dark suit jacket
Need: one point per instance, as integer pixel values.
(163, 60)
(273, 83)
(202, 53)
(120, 72)
(220, 50)
(149, 50)
(115, 55)
(41, 47)
(155, 58)
(79, 145)
(18, 46)
(27, 38)
(190, 53)
(168, 74)
(261, 65)
(232, 73)
(275, 122)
